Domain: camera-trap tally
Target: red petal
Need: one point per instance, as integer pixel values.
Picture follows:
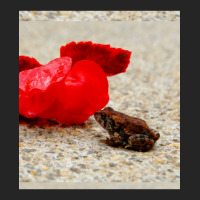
(70, 99)
(41, 78)
(26, 62)
(85, 91)
(37, 87)
(87, 85)
(111, 60)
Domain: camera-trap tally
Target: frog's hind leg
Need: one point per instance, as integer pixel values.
(140, 142)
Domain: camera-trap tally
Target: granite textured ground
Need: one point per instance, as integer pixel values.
(100, 15)
(150, 90)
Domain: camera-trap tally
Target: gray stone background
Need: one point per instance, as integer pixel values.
(150, 90)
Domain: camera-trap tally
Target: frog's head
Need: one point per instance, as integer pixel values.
(104, 119)
(107, 118)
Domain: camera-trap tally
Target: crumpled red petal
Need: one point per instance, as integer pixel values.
(112, 60)
(58, 91)
(37, 87)
(26, 62)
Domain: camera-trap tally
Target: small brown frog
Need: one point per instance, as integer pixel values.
(126, 131)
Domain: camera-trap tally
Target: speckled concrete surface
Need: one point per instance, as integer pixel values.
(150, 89)
(100, 15)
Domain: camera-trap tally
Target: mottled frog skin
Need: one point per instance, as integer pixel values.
(126, 131)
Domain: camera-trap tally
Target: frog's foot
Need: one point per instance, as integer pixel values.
(157, 134)
(140, 142)
(110, 141)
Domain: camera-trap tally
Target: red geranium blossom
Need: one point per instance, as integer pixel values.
(72, 88)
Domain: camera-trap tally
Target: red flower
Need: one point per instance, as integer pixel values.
(72, 88)
(112, 60)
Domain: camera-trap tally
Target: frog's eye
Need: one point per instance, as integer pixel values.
(103, 115)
